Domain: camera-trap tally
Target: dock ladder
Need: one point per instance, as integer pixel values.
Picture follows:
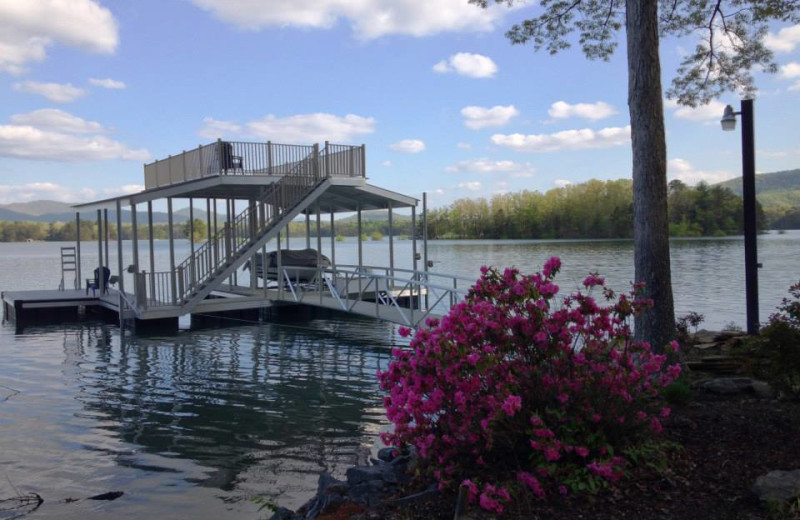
(69, 264)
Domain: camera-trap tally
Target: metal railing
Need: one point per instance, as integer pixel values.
(246, 158)
(210, 259)
(153, 289)
(414, 298)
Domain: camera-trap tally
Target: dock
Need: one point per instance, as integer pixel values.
(263, 187)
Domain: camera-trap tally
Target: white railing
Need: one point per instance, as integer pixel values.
(412, 298)
(243, 158)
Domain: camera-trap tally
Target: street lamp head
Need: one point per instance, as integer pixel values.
(728, 119)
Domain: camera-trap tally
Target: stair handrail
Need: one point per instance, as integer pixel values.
(200, 266)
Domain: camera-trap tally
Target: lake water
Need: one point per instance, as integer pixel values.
(194, 425)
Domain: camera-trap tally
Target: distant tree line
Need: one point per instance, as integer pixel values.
(21, 231)
(594, 209)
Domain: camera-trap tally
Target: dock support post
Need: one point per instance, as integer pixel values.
(172, 282)
(120, 263)
(425, 242)
(100, 277)
(414, 253)
(333, 241)
(279, 278)
(216, 230)
(150, 245)
(207, 260)
(319, 254)
(308, 231)
(137, 286)
(191, 243)
(360, 249)
(107, 262)
(253, 223)
(78, 247)
(234, 242)
(391, 242)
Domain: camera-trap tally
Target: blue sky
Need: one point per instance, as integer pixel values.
(93, 89)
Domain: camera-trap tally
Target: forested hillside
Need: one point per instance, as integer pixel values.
(594, 209)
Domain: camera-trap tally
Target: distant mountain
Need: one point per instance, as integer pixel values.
(778, 190)
(38, 207)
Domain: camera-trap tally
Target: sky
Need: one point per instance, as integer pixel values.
(93, 89)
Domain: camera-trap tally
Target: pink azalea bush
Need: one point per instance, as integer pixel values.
(515, 393)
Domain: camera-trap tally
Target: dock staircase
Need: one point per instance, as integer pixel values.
(216, 260)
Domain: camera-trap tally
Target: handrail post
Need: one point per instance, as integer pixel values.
(269, 157)
(327, 159)
(315, 161)
(200, 166)
(364, 161)
(181, 285)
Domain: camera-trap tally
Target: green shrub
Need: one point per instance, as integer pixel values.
(678, 393)
(777, 350)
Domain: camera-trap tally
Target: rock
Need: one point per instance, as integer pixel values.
(330, 491)
(778, 485)
(388, 454)
(727, 385)
(369, 493)
(285, 514)
(705, 346)
(358, 474)
(763, 390)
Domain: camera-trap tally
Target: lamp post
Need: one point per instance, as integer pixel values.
(751, 264)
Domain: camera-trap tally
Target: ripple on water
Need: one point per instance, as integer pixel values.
(190, 425)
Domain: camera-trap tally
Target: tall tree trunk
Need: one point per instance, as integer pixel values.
(650, 225)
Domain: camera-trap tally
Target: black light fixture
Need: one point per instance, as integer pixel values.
(751, 264)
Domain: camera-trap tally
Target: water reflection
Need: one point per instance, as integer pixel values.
(245, 410)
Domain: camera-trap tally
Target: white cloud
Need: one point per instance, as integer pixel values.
(58, 121)
(43, 191)
(467, 64)
(107, 83)
(123, 190)
(57, 92)
(562, 183)
(386, 163)
(368, 18)
(214, 128)
(51, 135)
(471, 186)
(476, 118)
(785, 40)
(464, 146)
(592, 111)
(566, 140)
(795, 87)
(484, 165)
(408, 146)
(302, 128)
(683, 170)
(710, 112)
(28, 27)
(51, 191)
(790, 70)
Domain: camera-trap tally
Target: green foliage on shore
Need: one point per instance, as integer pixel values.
(594, 209)
(22, 231)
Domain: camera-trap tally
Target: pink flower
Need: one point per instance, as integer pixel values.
(512, 405)
(582, 451)
(552, 266)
